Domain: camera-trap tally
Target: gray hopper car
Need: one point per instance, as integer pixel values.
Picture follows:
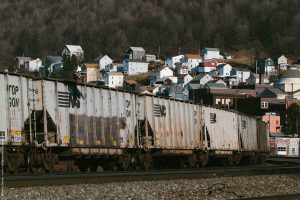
(64, 126)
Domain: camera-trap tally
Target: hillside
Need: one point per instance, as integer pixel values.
(39, 28)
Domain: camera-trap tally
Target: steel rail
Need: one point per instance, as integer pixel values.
(104, 177)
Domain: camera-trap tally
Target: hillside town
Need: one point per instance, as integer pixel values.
(206, 77)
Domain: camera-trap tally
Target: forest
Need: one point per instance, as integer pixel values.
(41, 27)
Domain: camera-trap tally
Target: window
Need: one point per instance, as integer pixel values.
(293, 150)
(2, 135)
(264, 105)
(281, 148)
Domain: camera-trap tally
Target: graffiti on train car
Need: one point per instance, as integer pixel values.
(13, 99)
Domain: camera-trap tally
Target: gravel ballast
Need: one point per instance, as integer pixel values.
(212, 188)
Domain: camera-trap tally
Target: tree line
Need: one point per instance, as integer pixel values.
(40, 28)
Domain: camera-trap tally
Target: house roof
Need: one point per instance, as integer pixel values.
(132, 82)
(184, 67)
(54, 59)
(183, 75)
(75, 48)
(23, 58)
(193, 56)
(137, 48)
(100, 57)
(212, 49)
(137, 60)
(115, 73)
(199, 77)
(215, 86)
(293, 72)
(276, 90)
(91, 65)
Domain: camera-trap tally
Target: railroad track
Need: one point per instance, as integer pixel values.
(104, 177)
(294, 196)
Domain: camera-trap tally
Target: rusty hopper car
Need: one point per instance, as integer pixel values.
(63, 126)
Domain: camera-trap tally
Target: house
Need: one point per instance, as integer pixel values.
(281, 145)
(271, 92)
(265, 66)
(92, 72)
(135, 53)
(218, 81)
(184, 79)
(173, 62)
(149, 90)
(222, 71)
(113, 79)
(218, 95)
(33, 65)
(199, 81)
(174, 92)
(289, 81)
(282, 63)
(20, 61)
(191, 60)
(75, 50)
(273, 122)
(241, 74)
(165, 81)
(210, 53)
(135, 67)
(162, 72)
(207, 65)
(103, 61)
(150, 58)
(53, 63)
(183, 70)
(130, 85)
(258, 79)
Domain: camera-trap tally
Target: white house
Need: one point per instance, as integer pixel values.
(171, 62)
(222, 70)
(134, 67)
(103, 61)
(113, 79)
(282, 62)
(191, 60)
(162, 72)
(183, 70)
(210, 53)
(76, 50)
(184, 79)
(241, 74)
(199, 81)
(33, 65)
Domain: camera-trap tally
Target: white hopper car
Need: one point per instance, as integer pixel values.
(64, 126)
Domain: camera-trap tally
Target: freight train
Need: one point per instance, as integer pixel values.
(51, 125)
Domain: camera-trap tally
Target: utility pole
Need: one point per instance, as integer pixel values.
(158, 52)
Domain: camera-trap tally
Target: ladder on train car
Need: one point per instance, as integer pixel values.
(31, 133)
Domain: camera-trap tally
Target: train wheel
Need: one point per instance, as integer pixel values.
(13, 162)
(192, 161)
(146, 160)
(203, 159)
(49, 161)
(125, 161)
